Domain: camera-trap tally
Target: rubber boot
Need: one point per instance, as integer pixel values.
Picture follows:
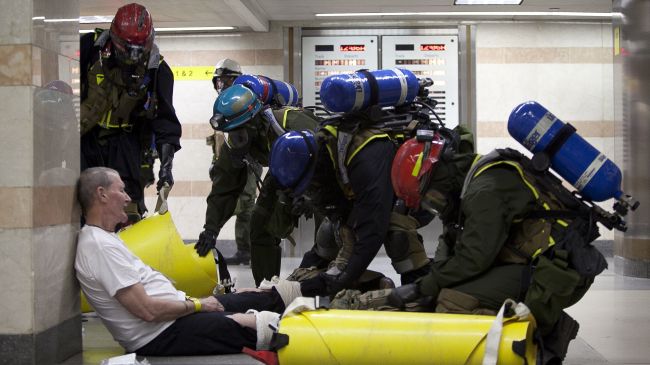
(265, 261)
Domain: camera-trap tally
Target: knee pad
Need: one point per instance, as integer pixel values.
(404, 245)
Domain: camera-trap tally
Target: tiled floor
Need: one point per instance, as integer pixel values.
(614, 321)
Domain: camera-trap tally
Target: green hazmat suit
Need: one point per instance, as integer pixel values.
(271, 219)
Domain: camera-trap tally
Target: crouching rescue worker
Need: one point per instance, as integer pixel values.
(504, 236)
(126, 104)
(345, 176)
(251, 130)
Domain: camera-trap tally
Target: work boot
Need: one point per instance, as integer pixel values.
(556, 343)
(239, 258)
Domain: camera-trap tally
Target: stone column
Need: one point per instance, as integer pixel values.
(39, 162)
(632, 112)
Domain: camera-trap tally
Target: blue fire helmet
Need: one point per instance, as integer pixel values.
(292, 160)
(234, 106)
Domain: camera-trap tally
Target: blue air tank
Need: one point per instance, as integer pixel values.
(351, 92)
(269, 90)
(595, 176)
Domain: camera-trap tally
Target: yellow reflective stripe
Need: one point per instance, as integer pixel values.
(521, 173)
(99, 78)
(418, 165)
(284, 118)
(383, 135)
(539, 250)
(332, 130)
(546, 206)
(562, 223)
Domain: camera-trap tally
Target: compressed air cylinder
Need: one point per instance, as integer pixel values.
(594, 175)
(269, 90)
(158, 244)
(378, 337)
(351, 92)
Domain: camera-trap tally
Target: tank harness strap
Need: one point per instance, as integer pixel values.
(559, 139)
(374, 86)
(268, 115)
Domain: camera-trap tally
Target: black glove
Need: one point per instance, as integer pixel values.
(313, 287)
(336, 283)
(166, 154)
(404, 294)
(207, 241)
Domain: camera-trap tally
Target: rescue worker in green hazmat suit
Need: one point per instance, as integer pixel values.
(251, 129)
(225, 73)
(502, 238)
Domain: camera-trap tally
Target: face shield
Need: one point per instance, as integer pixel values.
(130, 54)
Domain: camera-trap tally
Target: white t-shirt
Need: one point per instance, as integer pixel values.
(105, 265)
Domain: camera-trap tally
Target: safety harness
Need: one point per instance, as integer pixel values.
(112, 99)
(539, 230)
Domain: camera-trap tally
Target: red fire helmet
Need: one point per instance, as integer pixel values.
(132, 33)
(411, 170)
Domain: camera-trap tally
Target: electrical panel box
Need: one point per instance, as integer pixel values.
(435, 57)
(326, 56)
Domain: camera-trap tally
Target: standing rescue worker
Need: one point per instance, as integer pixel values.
(126, 104)
(225, 73)
(251, 130)
(504, 237)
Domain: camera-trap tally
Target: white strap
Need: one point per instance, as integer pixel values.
(494, 335)
(301, 304)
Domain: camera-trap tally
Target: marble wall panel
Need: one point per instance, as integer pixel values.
(56, 291)
(16, 281)
(571, 91)
(16, 20)
(16, 163)
(192, 161)
(538, 34)
(193, 101)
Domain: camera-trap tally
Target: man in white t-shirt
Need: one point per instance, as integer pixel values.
(141, 308)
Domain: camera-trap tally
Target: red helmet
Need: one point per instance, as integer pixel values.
(410, 171)
(132, 33)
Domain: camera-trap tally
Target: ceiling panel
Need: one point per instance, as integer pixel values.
(174, 13)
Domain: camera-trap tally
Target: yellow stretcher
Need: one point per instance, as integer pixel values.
(158, 244)
(377, 337)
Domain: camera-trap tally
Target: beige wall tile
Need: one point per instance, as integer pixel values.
(16, 147)
(245, 57)
(197, 130)
(54, 205)
(55, 285)
(269, 57)
(16, 209)
(601, 129)
(15, 64)
(16, 281)
(16, 20)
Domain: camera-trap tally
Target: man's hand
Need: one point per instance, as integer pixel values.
(207, 241)
(166, 154)
(211, 304)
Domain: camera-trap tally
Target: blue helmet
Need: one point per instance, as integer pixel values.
(234, 106)
(293, 159)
